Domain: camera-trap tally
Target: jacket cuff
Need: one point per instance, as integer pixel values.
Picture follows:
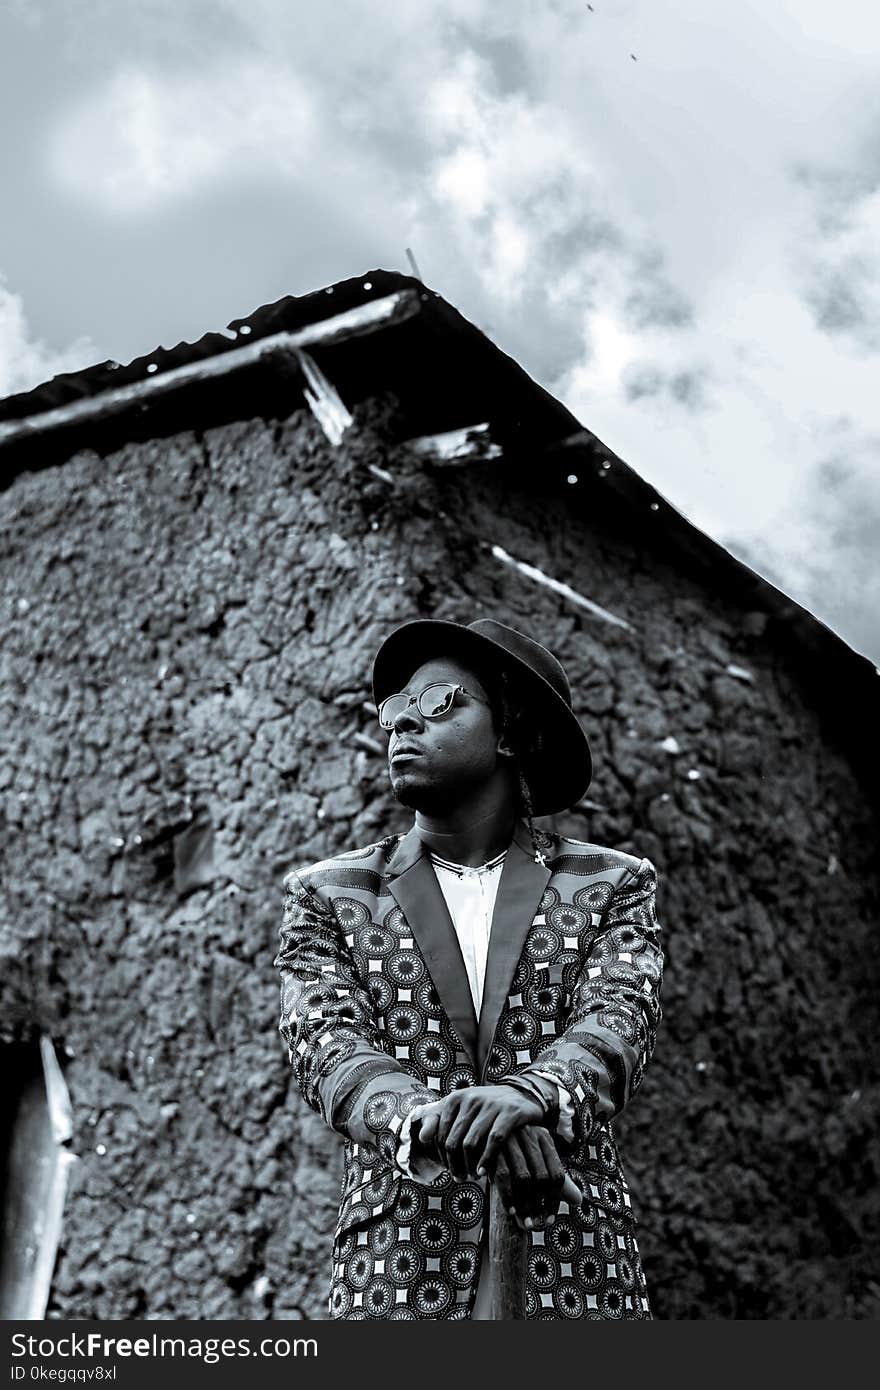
(422, 1168)
(565, 1119)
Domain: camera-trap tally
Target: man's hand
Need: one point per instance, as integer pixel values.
(467, 1128)
(531, 1179)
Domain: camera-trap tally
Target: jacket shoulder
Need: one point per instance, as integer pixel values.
(338, 868)
(593, 858)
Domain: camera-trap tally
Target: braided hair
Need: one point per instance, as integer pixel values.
(514, 721)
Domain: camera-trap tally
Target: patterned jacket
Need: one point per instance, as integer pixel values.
(378, 1018)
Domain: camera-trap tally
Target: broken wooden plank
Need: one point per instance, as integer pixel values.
(353, 323)
(564, 590)
(37, 1168)
(324, 401)
(469, 445)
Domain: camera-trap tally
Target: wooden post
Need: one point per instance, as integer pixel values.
(507, 1259)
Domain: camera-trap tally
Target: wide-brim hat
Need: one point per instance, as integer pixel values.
(559, 774)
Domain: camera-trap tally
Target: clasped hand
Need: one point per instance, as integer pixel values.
(497, 1131)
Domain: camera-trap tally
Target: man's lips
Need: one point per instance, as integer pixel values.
(405, 750)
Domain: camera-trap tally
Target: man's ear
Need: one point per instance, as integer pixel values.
(503, 746)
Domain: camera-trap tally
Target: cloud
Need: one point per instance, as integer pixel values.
(844, 287)
(25, 361)
(147, 138)
(685, 250)
(684, 388)
(828, 553)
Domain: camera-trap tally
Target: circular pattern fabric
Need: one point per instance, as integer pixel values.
(625, 938)
(626, 1270)
(350, 914)
(464, 1203)
(376, 942)
(459, 1076)
(382, 992)
(606, 1153)
(549, 898)
(611, 1194)
(405, 968)
(404, 1023)
(519, 1028)
(411, 1202)
(340, 1301)
(562, 1238)
(568, 1300)
(434, 1232)
(618, 1023)
(590, 1269)
(460, 1265)
(405, 1264)
(542, 943)
(379, 1296)
(523, 975)
(359, 1269)
(433, 1054)
(611, 1299)
(432, 1296)
(381, 1236)
(543, 1269)
(380, 1110)
(595, 897)
(396, 922)
(606, 1240)
(569, 920)
(345, 1244)
(544, 1000)
(426, 998)
(501, 1061)
(376, 1191)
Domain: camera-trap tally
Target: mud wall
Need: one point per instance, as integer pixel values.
(187, 633)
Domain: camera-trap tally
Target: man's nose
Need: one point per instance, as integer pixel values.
(409, 718)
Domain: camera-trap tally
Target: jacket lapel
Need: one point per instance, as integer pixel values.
(520, 890)
(414, 887)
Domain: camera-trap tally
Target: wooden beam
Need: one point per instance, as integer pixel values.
(353, 323)
(564, 590)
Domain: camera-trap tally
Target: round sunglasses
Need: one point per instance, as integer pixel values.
(432, 702)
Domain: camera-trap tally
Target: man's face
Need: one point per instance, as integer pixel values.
(450, 757)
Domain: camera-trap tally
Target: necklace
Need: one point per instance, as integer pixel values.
(462, 869)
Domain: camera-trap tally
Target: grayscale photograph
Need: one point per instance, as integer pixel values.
(439, 667)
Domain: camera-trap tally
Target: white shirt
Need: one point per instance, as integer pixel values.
(470, 897)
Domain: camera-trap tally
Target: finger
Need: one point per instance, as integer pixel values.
(571, 1193)
(447, 1114)
(450, 1131)
(501, 1180)
(554, 1175)
(495, 1139)
(522, 1188)
(538, 1187)
(473, 1144)
(427, 1127)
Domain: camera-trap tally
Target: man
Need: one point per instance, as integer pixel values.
(471, 1003)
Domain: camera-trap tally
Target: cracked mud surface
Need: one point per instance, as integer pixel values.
(188, 627)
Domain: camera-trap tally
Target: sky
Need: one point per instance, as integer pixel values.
(667, 210)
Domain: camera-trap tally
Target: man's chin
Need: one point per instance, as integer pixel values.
(429, 800)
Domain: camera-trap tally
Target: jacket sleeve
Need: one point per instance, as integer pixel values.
(611, 1030)
(328, 1021)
